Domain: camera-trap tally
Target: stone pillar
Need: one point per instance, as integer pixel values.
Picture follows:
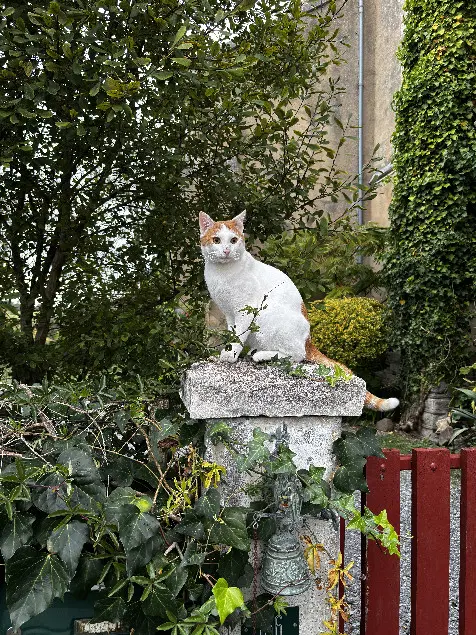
(246, 396)
(437, 405)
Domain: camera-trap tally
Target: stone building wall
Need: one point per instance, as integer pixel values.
(382, 33)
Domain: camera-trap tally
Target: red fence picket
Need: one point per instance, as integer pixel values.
(430, 541)
(467, 587)
(381, 580)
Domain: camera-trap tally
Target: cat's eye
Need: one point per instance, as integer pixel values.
(234, 240)
(216, 240)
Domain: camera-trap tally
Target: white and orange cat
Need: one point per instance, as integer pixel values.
(235, 280)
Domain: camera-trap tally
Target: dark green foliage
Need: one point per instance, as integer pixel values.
(120, 122)
(323, 261)
(66, 525)
(155, 544)
(430, 268)
(463, 410)
(351, 451)
(34, 579)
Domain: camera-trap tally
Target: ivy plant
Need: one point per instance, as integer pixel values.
(107, 488)
(94, 491)
(430, 268)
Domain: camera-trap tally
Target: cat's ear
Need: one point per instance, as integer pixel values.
(205, 222)
(239, 221)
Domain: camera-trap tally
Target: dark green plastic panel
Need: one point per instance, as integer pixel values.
(284, 625)
(57, 620)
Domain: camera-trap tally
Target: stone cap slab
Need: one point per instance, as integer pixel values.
(214, 390)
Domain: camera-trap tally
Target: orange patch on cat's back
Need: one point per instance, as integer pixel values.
(207, 237)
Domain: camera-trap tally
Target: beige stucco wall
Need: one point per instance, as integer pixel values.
(383, 28)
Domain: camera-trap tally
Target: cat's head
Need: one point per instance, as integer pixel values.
(222, 241)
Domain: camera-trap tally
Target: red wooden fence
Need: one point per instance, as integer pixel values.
(430, 543)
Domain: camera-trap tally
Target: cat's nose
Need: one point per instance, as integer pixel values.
(226, 251)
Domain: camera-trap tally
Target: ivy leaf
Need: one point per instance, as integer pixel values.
(370, 442)
(136, 527)
(191, 557)
(109, 609)
(388, 537)
(116, 502)
(88, 490)
(349, 478)
(158, 601)
(176, 580)
(15, 534)
(140, 556)
(118, 472)
(316, 473)
(227, 598)
(143, 624)
(218, 432)
(347, 448)
(315, 495)
(68, 542)
(208, 505)
(164, 429)
(317, 491)
(232, 566)
(89, 498)
(231, 529)
(257, 452)
(84, 472)
(264, 619)
(87, 574)
(191, 525)
(266, 528)
(283, 463)
(34, 579)
(52, 494)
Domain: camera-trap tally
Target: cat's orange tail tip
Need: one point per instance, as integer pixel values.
(381, 405)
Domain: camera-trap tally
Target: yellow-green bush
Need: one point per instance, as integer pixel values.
(349, 330)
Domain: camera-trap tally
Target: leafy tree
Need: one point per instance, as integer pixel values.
(431, 264)
(324, 261)
(119, 122)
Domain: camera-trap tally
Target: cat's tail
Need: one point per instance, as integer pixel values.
(371, 401)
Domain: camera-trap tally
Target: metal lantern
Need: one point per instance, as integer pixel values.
(284, 570)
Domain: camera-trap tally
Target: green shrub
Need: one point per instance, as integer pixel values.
(322, 260)
(349, 330)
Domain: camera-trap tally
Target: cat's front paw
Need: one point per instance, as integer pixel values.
(229, 356)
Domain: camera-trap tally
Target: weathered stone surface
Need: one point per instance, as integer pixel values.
(311, 438)
(385, 425)
(214, 390)
(443, 430)
(437, 407)
(246, 396)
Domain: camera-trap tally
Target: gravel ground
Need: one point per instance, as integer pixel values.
(352, 552)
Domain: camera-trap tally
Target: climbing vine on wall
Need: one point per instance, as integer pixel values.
(431, 262)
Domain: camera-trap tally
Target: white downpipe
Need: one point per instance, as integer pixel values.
(360, 123)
